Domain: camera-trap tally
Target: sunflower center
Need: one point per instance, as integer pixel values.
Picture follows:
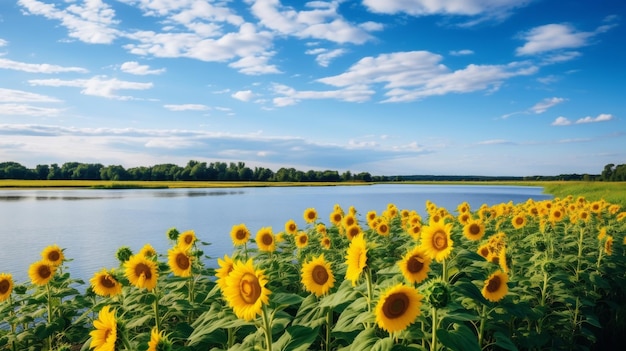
(396, 305)
(182, 261)
(519, 220)
(44, 271)
(440, 240)
(303, 239)
(319, 275)
(188, 239)
(143, 269)
(4, 286)
(474, 229)
(494, 284)
(249, 288)
(292, 227)
(267, 239)
(241, 234)
(484, 251)
(54, 256)
(415, 264)
(383, 228)
(311, 215)
(107, 281)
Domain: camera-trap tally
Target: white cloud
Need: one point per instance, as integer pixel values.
(243, 95)
(38, 67)
(545, 104)
(600, 118)
(495, 142)
(95, 86)
(3, 42)
(289, 96)
(133, 67)
(324, 56)
(464, 52)
(497, 9)
(28, 110)
(551, 37)
(90, 22)
(409, 76)
(603, 117)
(255, 64)
(561, 121)
(187, 107)
(322, 21)
(10, 95)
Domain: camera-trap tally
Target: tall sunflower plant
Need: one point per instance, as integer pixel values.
(533, 275)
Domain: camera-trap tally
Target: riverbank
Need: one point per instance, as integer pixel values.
(614, 192)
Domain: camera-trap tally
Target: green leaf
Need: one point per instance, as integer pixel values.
(504, 342)
(459, 338)
(285, 299)
(296, 338)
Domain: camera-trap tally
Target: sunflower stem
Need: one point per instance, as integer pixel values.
(481, 329)
(433, 343)
(267, 327)
(49, 313)
(231, 337)
(155, 308)
(329, 321)
(13, 326)
(444, 270)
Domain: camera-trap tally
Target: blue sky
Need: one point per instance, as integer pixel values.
(450, 87)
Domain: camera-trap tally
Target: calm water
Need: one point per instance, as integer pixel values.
(92, 224)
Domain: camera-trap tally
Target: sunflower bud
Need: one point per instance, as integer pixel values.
(123, 254)
(172, 234)
(439, 295)
(20, 289)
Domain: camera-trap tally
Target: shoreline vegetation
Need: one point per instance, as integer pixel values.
(613, 192)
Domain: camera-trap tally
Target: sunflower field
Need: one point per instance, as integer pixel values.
(538, 275)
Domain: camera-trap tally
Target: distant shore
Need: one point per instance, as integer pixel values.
(613, 192)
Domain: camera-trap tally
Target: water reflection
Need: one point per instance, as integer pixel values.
(114, 195)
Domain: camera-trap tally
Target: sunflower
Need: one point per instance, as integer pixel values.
(495, 287)
(336, 217)
(291, 227)
(141, 272)
(179, 261)
(474, 229)
(104, 337)
(349, 220)
(186, 239)
(321, 228)
(415, 231)
(53, 254)
(240, 234)
(310, 215)
(383, 228)
(265, 239)
(602, 233)
(356, 258)
(245, 290)
(415, 265)
(483, 250)
(325, 242)
(158, 341)
(147, 251)
(464, 218)
(353, 231)
(104, 284)
(41, 272)
(317, 277)
(302, 240)
(398, 307)
(519, 221)
(556, 214)
(608, 245)
(371, 215)
(226, 266)
(436, 240)
(6, 286)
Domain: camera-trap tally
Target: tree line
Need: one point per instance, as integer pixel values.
(194, 170)
(238, 171)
